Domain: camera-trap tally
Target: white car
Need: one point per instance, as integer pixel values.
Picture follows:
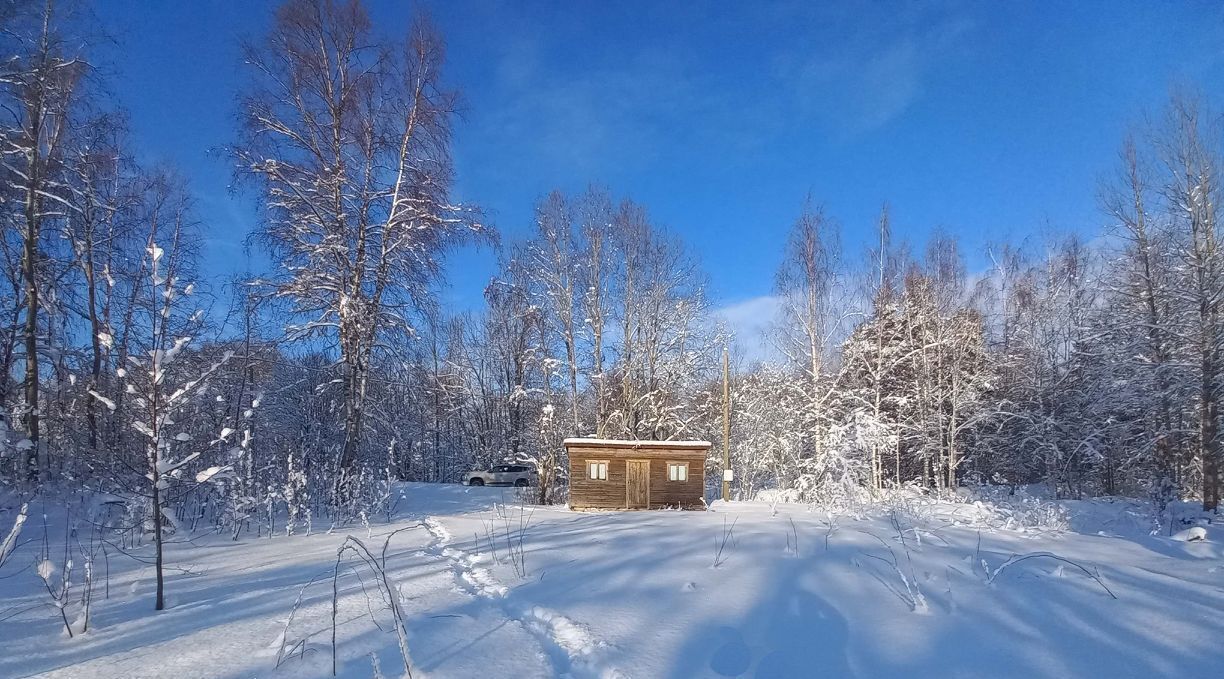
(502, 475)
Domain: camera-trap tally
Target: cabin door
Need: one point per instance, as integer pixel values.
(637, 482)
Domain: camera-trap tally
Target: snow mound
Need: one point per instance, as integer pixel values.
(1194, 534)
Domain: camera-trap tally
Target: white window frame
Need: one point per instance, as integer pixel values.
(597, 470)
(677, 472)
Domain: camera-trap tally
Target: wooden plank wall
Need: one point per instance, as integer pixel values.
(588, 494)
(683, 494)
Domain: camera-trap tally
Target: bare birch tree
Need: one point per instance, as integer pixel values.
(349, 138)
(40, 84)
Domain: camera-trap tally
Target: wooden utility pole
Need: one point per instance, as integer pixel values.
(726, 484)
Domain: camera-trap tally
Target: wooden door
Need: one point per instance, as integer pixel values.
(637, 484)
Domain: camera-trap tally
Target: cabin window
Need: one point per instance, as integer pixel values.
(677, 471)
(597, 470)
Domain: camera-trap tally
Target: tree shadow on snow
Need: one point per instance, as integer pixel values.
(791, 632)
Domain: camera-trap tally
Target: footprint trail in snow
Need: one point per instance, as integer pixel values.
(570, 646)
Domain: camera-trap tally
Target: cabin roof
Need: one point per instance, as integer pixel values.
(613, 443)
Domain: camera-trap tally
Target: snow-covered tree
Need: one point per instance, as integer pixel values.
(159, 392)
(348, 136)
(41, 82)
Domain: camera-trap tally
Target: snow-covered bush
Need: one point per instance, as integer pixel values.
(833, 478)
(998, 507)
(8, 452)
(295, 496)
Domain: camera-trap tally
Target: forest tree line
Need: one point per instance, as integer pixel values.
(1090, 365)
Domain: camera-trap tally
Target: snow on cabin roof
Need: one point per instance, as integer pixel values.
(617, 443)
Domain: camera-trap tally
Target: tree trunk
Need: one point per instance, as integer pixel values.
(95, 343)
(29, 257)
(157, 540)
(1208, 424)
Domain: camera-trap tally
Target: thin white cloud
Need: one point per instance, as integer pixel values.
(749, 322)
(871, 79)
(577, 122)
(639, 104)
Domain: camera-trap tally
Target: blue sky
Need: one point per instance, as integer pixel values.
(986, 120)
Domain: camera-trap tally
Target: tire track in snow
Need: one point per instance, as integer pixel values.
(570, 646)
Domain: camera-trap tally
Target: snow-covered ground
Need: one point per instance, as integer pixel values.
(747, 589)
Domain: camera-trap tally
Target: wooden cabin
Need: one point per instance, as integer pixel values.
(606, 474)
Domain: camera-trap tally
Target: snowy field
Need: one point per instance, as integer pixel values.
(748, 589)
